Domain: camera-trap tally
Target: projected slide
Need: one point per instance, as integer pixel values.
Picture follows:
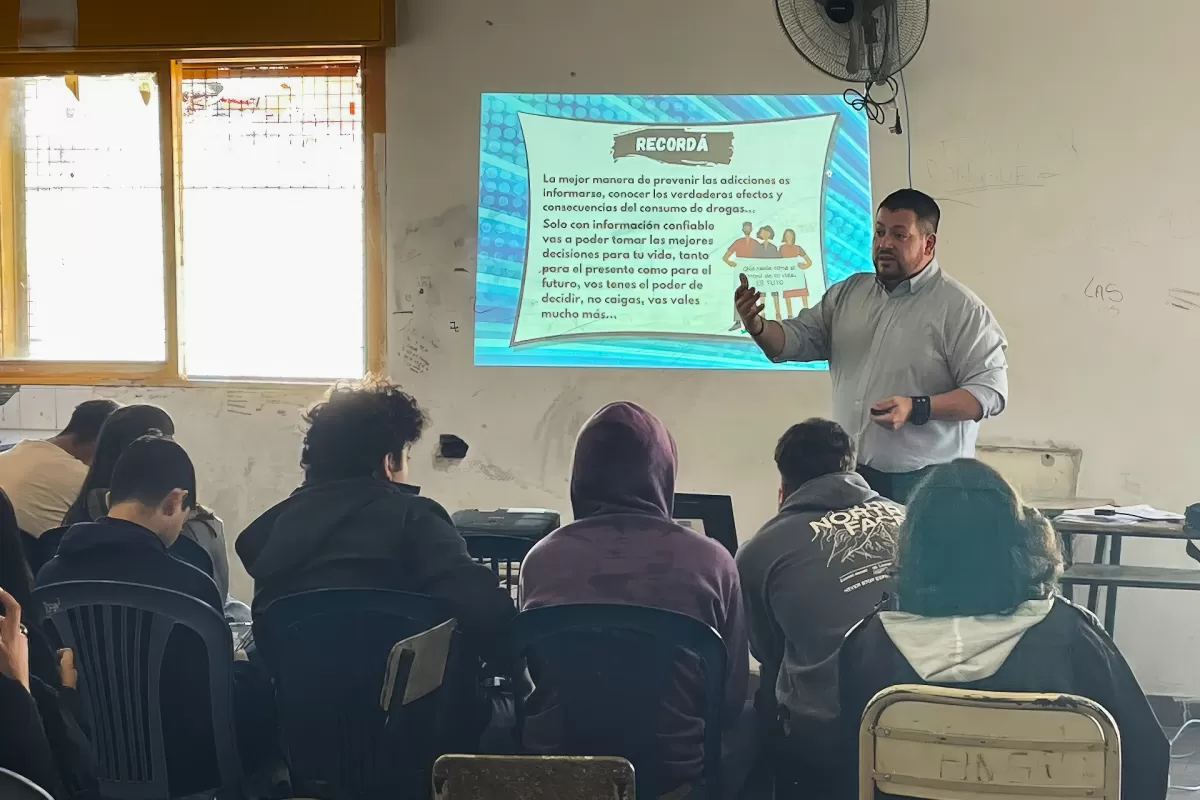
(613, 228)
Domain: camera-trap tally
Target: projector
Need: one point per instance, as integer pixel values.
(529, 523)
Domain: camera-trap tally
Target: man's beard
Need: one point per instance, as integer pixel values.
(889, 260)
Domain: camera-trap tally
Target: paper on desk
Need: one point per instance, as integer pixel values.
(1124, 515)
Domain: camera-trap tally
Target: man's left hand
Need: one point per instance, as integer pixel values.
(892, 413)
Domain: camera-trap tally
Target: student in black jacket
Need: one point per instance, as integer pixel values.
(977, 574)
(24, 746)
(357, 523)
(39, 737)
(150, 500)
(49, 693)
(202, 543)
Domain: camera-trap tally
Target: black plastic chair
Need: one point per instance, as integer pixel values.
(18, 787)
(502, 554)
(327, 651)
(119, 634)
(43, 548)
(608, 669)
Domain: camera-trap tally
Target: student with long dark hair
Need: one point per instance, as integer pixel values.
(203, 527)
(978, 609)
(122, 427)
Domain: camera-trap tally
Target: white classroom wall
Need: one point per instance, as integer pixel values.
(1053, 133)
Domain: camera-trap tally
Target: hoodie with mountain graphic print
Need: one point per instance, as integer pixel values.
(808, 576)
(1044, 646)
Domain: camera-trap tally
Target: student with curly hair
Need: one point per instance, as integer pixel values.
(356, 521)
(978, 608)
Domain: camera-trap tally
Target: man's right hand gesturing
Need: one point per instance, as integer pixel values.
(746, 301)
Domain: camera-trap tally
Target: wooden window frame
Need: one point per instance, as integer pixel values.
(169, 68)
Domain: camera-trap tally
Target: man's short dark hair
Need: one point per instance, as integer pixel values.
(149, 469)
(811, 449)
(88, 418)
(350, 433)
(925, 207)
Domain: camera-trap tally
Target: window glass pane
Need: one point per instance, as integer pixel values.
(93, 242)
(273, 223)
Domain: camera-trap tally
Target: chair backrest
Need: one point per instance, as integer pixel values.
(327, 651)
(18, 787)
(43, 548)
(608, 669)
(502, 554)
(119, 634)
(955, 744)
(459, 777)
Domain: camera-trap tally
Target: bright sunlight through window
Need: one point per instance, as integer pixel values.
(93, 245)
(273, 273)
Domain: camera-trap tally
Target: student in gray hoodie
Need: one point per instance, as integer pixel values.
(808, 576)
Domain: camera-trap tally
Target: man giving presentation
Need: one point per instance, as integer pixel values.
(917, 360)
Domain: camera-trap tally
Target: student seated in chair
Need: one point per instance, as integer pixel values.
(978, 609)
(808, 576)
(623, 547)
(202, 543)
(149, 502)
(42, 477)
(356, 522)
(36, 716)
(42, 685)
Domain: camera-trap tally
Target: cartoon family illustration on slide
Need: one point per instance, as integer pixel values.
(761, 245)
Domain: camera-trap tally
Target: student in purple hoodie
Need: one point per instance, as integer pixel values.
(623, 547)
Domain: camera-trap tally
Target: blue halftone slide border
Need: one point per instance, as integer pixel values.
(504, 215)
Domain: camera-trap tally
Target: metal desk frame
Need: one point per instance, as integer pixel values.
(1103, 531)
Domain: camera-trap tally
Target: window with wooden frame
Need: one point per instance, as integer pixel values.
(168, 221)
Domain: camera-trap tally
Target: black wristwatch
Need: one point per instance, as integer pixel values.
(920, 411)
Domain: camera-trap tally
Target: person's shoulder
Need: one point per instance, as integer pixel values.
(28, 452)
(397, 501)
(714, 550)
(567, 537)
(765, 540)
(951, 289)
(426, 507)
(1065, 614)
(707, 556)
